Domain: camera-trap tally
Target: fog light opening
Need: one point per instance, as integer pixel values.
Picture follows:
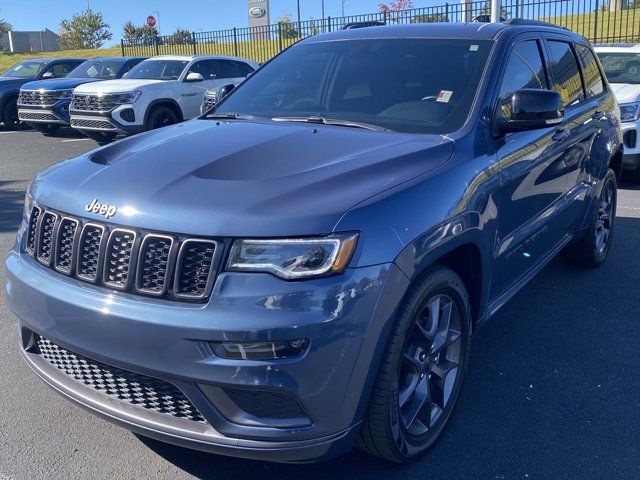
(261, 350)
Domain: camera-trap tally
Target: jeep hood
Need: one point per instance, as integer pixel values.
(625, 92)
(239, 178)
(120, 85)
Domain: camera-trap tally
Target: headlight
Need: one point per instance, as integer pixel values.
(28, 204)
(65, 94)
(629, 112)
(295, 258)
(129, 97)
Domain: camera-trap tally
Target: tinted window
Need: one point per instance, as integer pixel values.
(62, 69)
(103, 69)
(524, 70)
(233, 69)
(206, 68)
(621, 67)
(158, 69)
(24, 69)
(565, 73)
(407, 85)
(592, 77)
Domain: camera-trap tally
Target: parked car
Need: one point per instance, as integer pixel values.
(303, 267)
(622, 66)
(158, 92)
(44, 105)
(24, 72)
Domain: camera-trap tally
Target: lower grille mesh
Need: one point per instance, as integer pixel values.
(145, 392)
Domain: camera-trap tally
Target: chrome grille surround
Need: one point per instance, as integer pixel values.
(41, 98)
(175, 267)
(93, 103)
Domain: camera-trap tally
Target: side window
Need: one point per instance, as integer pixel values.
(209, 69)
(233, 69)
(592, 76)
(128, 66)
(61, 69)
(524, 70)
(564, 71)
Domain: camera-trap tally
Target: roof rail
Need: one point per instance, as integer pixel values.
(372, 23)
(537, 23)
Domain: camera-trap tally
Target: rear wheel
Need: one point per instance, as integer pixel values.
(593, 247)
(10, 115)
(419, 379)
(159, 117)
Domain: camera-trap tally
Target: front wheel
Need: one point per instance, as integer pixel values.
(592, 249)
(10, 115)
(160, 117)
(419, 379)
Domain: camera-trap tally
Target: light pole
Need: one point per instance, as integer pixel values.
(298, 1)
(157, 20)
(343, 4)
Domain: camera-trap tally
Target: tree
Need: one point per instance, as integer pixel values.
(5, 27)
(145, 33)
(85, 30)
(396, 10)
(286, 28)
(181, 37)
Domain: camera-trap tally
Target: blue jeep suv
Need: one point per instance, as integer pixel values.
(44, 105)
(302, 268)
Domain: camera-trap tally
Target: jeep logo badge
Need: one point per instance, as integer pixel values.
(103, 209)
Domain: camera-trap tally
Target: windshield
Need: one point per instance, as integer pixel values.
(158, 70)
(26, 69)
(103, 69)
(405, 85)
(621, 67)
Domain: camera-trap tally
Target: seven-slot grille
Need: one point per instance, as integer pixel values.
(43, 98)
(136, 389)
(124, 259)
(93, 103)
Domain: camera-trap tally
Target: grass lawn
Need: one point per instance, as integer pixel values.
(612, 27)
(8, 59)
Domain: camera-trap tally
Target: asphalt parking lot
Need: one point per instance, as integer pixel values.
(553, 389)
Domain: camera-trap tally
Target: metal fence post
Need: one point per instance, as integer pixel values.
(329, 24)
(194, 41)
(446, 12)
(122, 46)
(279, 37)
(235, 41)
(155, 40)
(595, 22)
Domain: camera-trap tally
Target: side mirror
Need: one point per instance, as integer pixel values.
(532, 109)
(194, 77)
(224, 90)
(47, 75)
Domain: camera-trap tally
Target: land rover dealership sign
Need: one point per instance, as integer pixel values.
(258, 13)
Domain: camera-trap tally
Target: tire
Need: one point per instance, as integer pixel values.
(10, 115)
(46, 129)
(593, 248)
(159, 117)
(417, 356)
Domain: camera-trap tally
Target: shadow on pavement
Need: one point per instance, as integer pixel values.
(552, 390)
(11, 204)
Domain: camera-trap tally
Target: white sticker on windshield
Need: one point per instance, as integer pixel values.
(474, 48)
(444, 96)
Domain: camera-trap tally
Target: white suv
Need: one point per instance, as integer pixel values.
(621, 64)
(157, 92)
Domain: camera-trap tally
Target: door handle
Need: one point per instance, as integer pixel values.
(599, 115)
(561, 135)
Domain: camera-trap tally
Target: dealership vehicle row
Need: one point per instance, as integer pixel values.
(104, 97)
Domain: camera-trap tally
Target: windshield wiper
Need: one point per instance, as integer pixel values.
(228, 116)
(331, 121)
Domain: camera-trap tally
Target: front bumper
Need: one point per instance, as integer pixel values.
(346, 319)
(106, 121)
(631, 142)
(50, 114)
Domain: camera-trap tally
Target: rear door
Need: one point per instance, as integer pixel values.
(233, 71)
(533, 174)
(584, 117)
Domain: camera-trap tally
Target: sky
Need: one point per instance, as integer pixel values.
(193, 15)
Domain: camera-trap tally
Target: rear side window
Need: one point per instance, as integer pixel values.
(525, 69)
(592, 77)
(565, 73)
(234, 69)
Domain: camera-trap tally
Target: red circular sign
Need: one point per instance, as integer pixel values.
(151, 21)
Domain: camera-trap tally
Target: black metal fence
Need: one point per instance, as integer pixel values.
(601, 21)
